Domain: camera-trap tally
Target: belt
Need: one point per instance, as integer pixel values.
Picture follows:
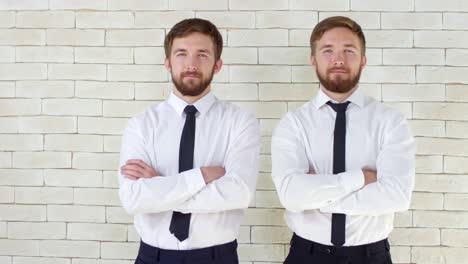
(362, 250)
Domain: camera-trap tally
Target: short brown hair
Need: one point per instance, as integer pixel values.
(335, 22)
(193, 25)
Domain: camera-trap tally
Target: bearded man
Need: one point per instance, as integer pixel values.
(188, 166)
(343, 163)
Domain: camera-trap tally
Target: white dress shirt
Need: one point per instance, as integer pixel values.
(377, 138)
(225, 136)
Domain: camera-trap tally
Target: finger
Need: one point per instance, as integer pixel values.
(130, 177)
(133, 168)
(132, 173)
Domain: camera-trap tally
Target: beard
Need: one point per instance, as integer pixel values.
(338, 84)
(192, 87)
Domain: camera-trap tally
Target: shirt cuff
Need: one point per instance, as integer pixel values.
(352, 180)
(194, 179)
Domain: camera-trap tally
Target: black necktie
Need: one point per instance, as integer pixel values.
(180, 222)
(339, 150)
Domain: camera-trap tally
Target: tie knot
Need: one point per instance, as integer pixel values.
(339, 108)
(190, 109)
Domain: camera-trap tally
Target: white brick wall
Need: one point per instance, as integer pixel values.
(73, 72)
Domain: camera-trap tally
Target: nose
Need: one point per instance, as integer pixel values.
(191, 63)
(338, 59)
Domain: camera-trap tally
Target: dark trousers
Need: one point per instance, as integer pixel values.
(304, 251)
(219, 254)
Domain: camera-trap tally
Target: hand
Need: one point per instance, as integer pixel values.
(135, 169)
(370, 176)
(212, 173)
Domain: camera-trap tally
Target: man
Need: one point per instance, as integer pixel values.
(189, 164)
(343, 163)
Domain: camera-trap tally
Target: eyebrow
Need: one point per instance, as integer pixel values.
(330, 45)
(185, 50)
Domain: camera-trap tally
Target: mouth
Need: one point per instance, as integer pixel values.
(191, 75)
(339, 71)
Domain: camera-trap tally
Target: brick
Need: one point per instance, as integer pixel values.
(415, 237)
(7, 54)
(456, 201)
(87, 19)
(40, 260)
(258, 5)
(22, 212)
(433, 5)
(271, 235)
(263, 217)
(75, 37)
(198, 5)
(237, 92)
(429, 164)
(436, 255)
(22, 37)
(442, 146)
(73, 178)
(441, 111)
(25, 230)
(138, 73)
(367, 20)
(22, 71)
(267, 199)
(7, 195)
(440, 39)
(5, 260)
(257, 37)
(457, 129)
(77, 4)
(41, 160)
(454, 237)
(95, 161)
(456, 93)
(19, 247)
(6, 160)
(112, 250)
(457, 57)
(222, 76)
(291, 56)
(260, 73)
(17, 177)
(388, 74)
(149, 55)
(44, 195)
(103, 55)
(45, 19)
(118, 215)
(403, 219)
(261, 252)
(8, 125)
(76, 213)
(135, 37)
(143, 5)
(288, 20)
(442, 74)
(110, 181)
(24, 5)
(7, 19)
(293, 106)
(413, 93)
(413, 56)
(47, 124)
(151, 91)
(264, 109)
(322, 5)
(455, 21)
(161, 19)
(400, 254)
(239, 56)
(389, 39)
(3, 230)
(100, 232)
(304, 74)
(267, 126)
(7, 89)
(411, 20)
(84, 143)
(427, 201)
(104, 90)
(42, 89)
(231, 19)
(299, 38)
(77, 72)
(124, 108)
(440, 219)
(283, 92)
(82, 107)
(103, 126)
(458, 165)
(441, 183)
(17, 142)
(381, 5)
(374, 57)
(90, 196)
(65, 248)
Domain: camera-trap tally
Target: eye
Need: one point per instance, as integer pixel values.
(202, 55)
(349, 51)
(181, 54)
(327, 51)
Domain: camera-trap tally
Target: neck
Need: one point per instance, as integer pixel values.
(338, 97)
(190, 99)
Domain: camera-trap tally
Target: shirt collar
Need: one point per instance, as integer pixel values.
(356, 98)
(203, 104)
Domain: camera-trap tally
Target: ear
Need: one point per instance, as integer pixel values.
(167, 64)
(218, 65)
(312, 62)
(363, 61)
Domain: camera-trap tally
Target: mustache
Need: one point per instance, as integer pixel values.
(338, 69)
(190, 73)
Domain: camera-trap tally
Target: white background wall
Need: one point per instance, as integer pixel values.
(73, 71)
